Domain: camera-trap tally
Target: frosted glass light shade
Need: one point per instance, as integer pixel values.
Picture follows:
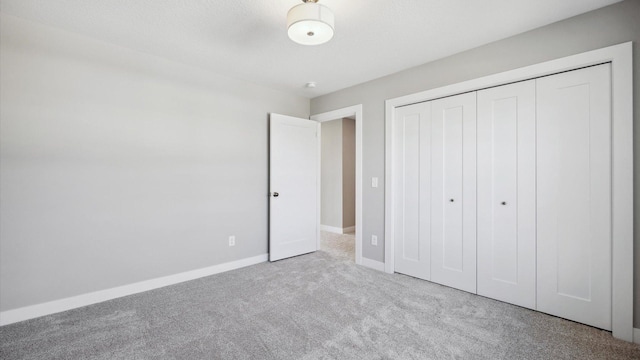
(310, 23)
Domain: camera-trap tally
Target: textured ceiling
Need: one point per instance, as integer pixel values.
(247, 39)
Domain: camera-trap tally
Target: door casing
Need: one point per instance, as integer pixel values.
(354, 111)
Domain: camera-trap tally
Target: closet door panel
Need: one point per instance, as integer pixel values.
(574, 195)
(452, 255)
(412, 125)
(453, 182)
(506, 193)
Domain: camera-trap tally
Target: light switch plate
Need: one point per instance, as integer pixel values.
(374, 182)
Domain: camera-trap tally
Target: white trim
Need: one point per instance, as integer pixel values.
(337, 230)
(355, 111)
(318, 185)
(620, 57)
(331, 229)
(372, 264)
(636, 335)
(622, 181)
(56, 306)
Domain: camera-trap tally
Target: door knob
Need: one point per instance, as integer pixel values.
(451, 200)
(504, 203)
(275, 194)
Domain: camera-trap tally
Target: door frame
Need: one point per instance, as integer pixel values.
(620, 57)
(356, 112)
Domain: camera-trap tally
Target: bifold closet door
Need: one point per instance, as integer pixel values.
(453, 191)
(574, 195)
(507, 193)
(411, 184)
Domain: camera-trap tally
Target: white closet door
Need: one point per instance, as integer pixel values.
(453, 189)
(411, 185)
(574, 195)
(506, 193)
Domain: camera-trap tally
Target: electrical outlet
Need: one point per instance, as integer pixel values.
(232, 240)
(374, 240)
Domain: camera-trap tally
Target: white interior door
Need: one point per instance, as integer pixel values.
(453, 189)
(507, 193)
(293, 182)
(411, 188)
(574, 195)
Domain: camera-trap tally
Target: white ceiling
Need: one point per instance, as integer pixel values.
(247, 39)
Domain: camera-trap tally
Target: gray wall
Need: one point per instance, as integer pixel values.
(331, 174)
(348, 173)
(600, 28)
(119, 167)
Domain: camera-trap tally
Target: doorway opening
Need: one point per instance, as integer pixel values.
(340, 190)
(338, 187)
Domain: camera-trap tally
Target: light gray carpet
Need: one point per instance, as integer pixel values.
(316, 306)
(342, 246)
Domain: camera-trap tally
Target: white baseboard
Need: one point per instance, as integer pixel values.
(52, 307)
(636, 335)
(337, 230)
(376, 265)
(331, 229)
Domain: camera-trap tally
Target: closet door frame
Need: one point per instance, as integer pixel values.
(620, 57)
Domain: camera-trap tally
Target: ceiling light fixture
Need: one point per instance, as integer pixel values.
(310, 23)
